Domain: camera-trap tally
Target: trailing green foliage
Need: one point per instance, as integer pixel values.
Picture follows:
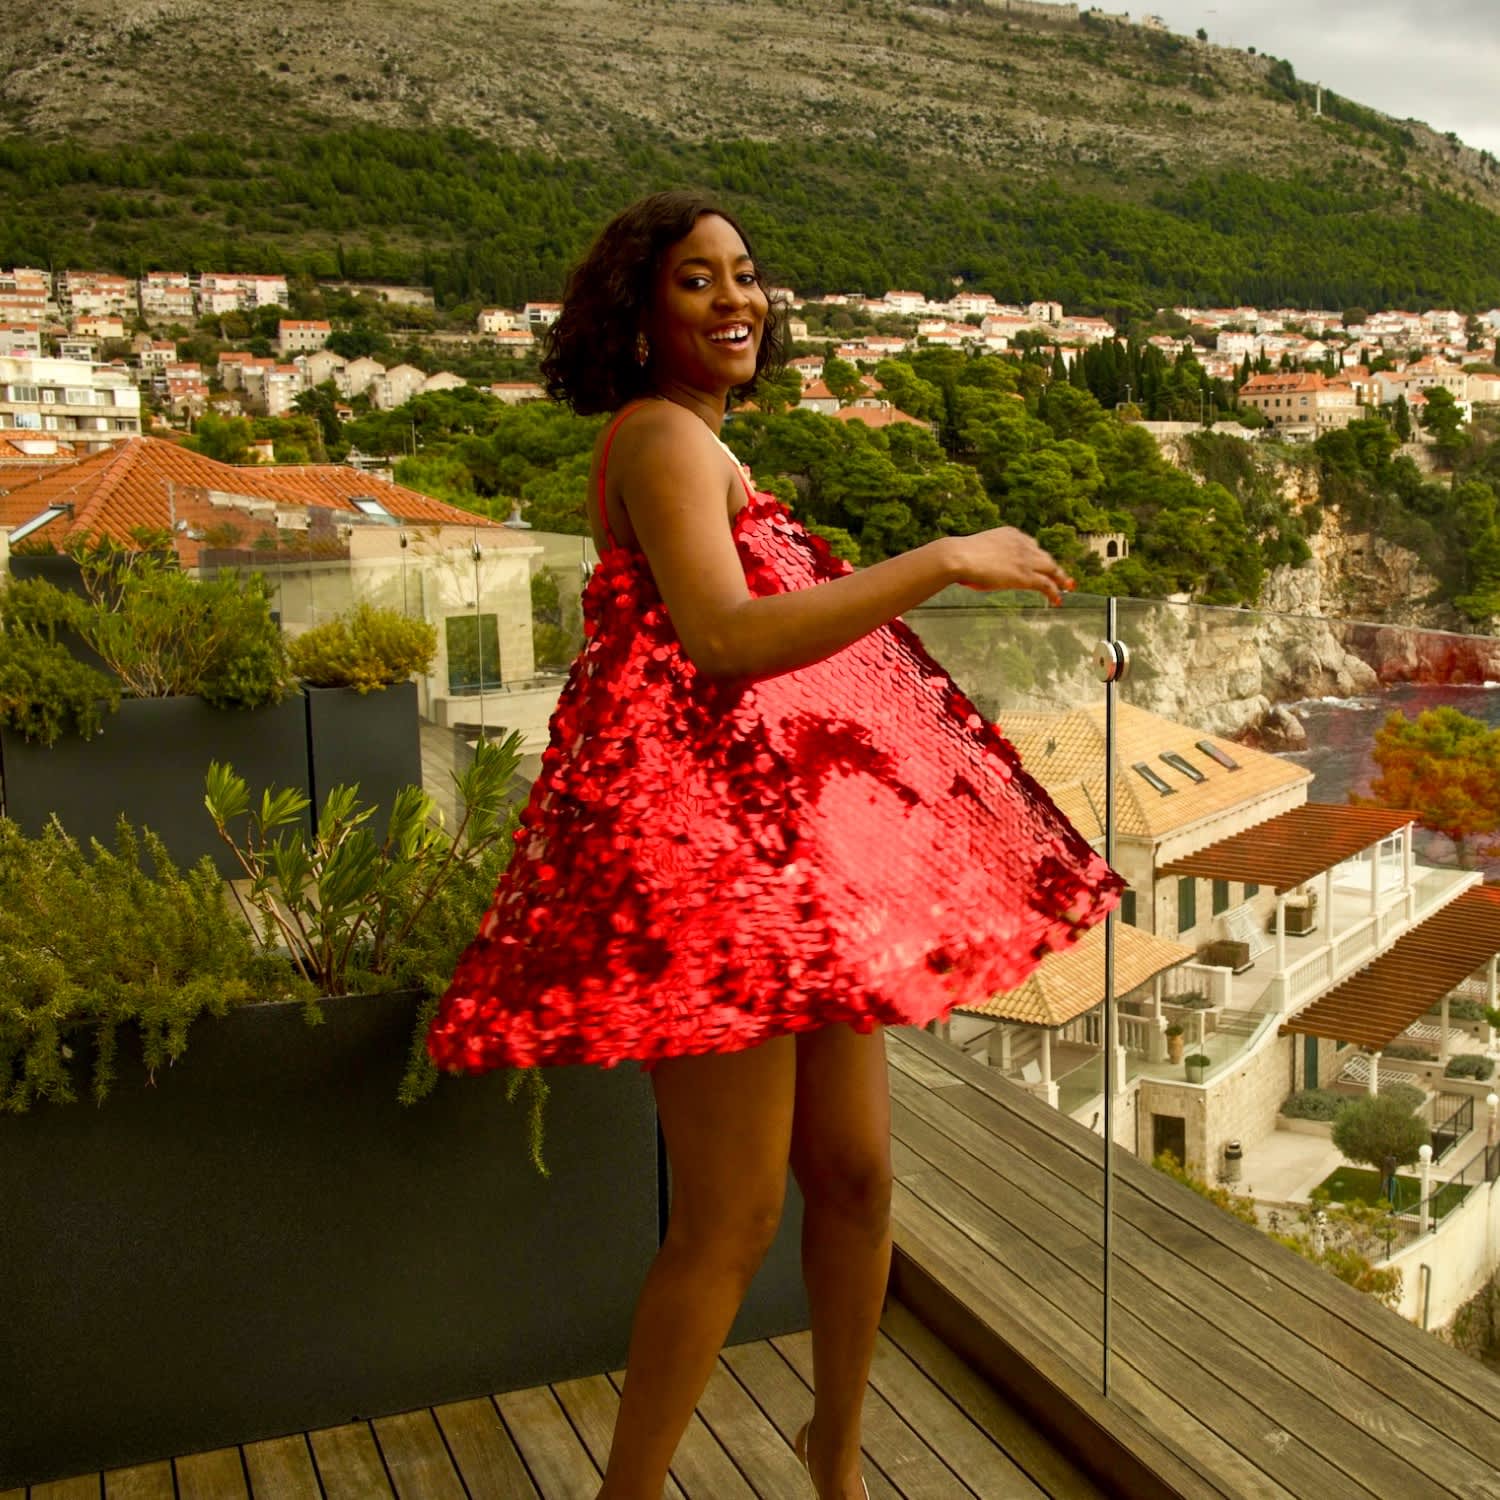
(45, 691)
(90, 941)
(364, 648)
(1344, 1238)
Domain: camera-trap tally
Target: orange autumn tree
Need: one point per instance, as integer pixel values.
(1445, 766)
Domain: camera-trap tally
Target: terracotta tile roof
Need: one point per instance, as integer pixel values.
(147, 481)
(1065, 985)
(1066, 752)
(1279, 384)
(875, 416)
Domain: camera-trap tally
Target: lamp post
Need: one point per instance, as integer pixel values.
(1424, 1156)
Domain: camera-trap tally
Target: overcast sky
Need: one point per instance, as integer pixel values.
(1436, 61)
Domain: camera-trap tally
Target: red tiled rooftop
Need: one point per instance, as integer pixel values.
(145, 482)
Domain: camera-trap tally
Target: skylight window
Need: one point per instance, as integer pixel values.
(1217, 755)
(368, 505)
(36, 523)
(1152, 779)
(1183, 764)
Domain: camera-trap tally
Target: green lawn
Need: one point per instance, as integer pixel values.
(1361, 1184)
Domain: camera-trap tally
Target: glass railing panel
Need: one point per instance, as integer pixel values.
(1232, 720)
(1030, 669)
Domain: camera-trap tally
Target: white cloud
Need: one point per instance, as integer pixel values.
(1437, 63)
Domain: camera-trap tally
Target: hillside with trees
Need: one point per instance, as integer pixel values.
(868, 144)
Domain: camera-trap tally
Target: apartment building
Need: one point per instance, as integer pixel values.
(1301, 406)
(302, 335)
(82, 294)
(167, 297)
(91, 406)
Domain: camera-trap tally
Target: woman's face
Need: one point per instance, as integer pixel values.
(708, 312)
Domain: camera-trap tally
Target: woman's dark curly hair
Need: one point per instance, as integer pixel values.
(590, 359)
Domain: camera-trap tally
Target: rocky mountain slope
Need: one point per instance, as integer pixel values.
(970, 82)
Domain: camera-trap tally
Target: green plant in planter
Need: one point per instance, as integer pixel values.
(358, 913)
(1197, 1064)
(365, 649)
(166, 634)
(90, 941)
(45, 691)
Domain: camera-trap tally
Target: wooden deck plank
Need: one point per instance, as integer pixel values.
(1297, 1384)
(219, 1475)
(1221, 1337)
(281, 1469)
(1211, 1278)
(483, 1450)
(78, 1487)
(760, 1452)
(560, 1465)
(993, 1291)
(592, 1404)
(891, 1442)
(701, 1466)
(416, 1457)
(786, 1400)
(349, 1464)
(140, 1482)
(1051, 1471)
(948, 1430)
(1034, 1130)
(1165, 1342)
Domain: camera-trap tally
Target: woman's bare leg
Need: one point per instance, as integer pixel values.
(841, 1154)
(727, 1122)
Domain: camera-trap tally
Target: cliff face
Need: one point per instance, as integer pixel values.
(1229, 671)
(1357, 575)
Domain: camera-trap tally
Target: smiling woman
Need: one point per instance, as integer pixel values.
(767, 826)
(594, 350)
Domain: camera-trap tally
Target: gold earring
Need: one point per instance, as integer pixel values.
(642, 349)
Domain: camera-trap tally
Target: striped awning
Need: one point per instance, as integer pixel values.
(1288, 850)
(1374, 1006)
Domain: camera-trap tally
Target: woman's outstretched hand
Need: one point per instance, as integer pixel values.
(1006, 558)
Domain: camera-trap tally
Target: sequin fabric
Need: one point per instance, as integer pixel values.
(705, 863)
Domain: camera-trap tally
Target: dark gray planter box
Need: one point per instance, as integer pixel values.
(149, 763)
(265, 1241)
(372, 739)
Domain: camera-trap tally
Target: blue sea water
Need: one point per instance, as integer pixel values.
(1341, 737)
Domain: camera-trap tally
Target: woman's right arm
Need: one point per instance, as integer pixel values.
(672, 475)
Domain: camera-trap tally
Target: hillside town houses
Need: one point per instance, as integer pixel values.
(55, 328)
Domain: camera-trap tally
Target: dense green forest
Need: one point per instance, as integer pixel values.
(1010, 446)
(477, 221)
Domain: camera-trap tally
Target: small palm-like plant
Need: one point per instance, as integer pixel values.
(356, 910)
(344, 901)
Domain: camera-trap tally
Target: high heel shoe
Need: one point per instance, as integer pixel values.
(799, 1447)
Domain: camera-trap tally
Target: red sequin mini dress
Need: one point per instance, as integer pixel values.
(708, 862)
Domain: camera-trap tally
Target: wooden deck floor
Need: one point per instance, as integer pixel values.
(1239, 1368)
(934, 1431)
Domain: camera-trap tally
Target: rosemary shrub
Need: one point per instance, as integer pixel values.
(90, 940)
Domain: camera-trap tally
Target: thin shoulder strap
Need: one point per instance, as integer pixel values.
(609, 439)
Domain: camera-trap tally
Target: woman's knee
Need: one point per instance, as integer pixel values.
(732, 1232)
(855, 1187)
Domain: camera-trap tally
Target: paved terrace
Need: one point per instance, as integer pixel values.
(1239, 1370)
